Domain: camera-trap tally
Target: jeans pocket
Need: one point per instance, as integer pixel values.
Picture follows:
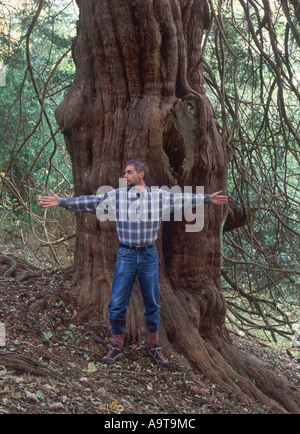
(153, 251)
(123, 252)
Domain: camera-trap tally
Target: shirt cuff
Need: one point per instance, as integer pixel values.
(63, 203)
(207, 198)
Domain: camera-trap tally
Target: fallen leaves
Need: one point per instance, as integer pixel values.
(115, 407)
(49, 335)
(31, 396)
(56, 406)
(91, 368)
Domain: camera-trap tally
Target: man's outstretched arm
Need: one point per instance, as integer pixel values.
(82, 203)
(180, 200)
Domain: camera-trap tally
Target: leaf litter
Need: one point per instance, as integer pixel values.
(40, 318)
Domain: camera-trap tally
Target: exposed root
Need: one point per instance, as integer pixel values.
(245, 376)
(25, 364)
(16, 263)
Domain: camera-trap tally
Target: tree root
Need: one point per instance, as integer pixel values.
(242, 374)
(16, 262)
(25, 364)
(11, 261)
(195, 327)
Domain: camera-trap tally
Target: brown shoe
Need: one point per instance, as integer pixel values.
(156, 353)
(114, 354)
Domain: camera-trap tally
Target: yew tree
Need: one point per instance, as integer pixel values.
(139, 92)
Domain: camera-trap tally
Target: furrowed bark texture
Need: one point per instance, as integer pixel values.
(139, 93)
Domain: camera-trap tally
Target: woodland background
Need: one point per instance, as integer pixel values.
(251, 66)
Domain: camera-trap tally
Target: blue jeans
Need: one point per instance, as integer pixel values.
(145, 265)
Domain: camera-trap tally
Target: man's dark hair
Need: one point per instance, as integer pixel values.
(140, 166)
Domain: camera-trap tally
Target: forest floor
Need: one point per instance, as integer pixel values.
(39, 314)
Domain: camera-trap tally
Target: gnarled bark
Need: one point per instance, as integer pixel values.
(139, 93)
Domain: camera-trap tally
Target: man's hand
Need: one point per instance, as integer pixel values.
(49, 201)
(217, 199)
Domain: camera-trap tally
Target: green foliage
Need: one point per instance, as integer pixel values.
(253, 85)
(32, 150)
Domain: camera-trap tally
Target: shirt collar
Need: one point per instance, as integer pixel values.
(132, 190)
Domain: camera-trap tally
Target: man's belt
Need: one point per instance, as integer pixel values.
(137, 249)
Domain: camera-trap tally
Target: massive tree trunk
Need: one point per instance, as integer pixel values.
(139, 93)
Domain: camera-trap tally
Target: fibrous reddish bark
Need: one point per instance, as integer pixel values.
(139, 93)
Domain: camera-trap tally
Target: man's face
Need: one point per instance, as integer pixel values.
(133, 178)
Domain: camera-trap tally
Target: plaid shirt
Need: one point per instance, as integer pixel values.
(138, 216)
